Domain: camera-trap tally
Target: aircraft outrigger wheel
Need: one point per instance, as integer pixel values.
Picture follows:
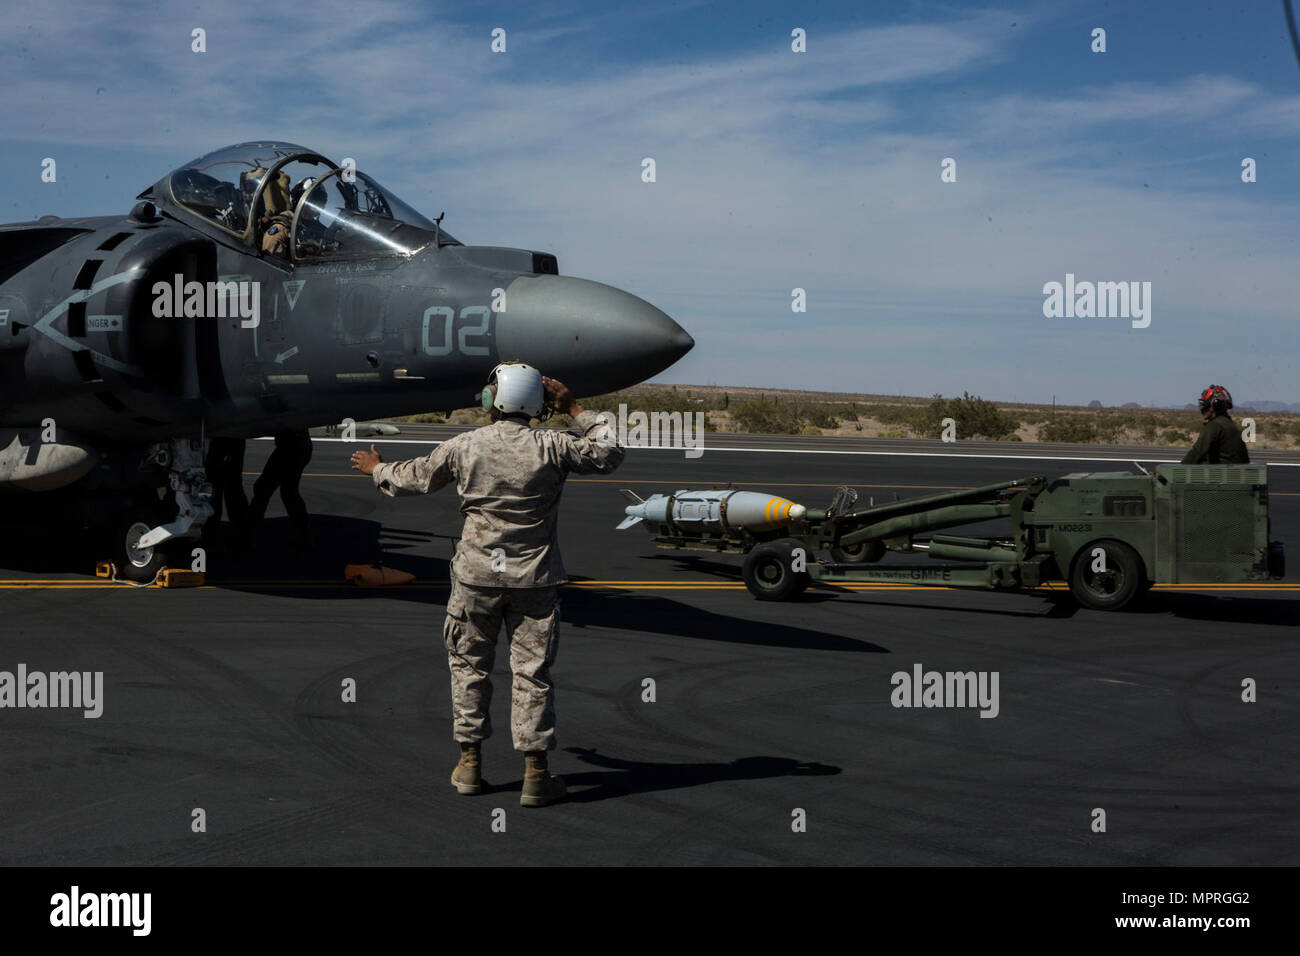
(1123, 579)
(864, 552)
(769, 573)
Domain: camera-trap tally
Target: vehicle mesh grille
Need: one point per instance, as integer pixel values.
(1216, 527)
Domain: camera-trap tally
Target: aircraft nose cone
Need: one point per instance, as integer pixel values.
(591, 336)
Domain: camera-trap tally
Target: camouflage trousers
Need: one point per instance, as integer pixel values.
(531, 617)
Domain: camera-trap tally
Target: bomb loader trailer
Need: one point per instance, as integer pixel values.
(1111, 535)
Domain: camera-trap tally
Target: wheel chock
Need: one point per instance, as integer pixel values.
(165, 578)
(375, 576)
(180, 578)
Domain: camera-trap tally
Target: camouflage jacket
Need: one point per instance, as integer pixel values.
(510, 477)
(1219, 444)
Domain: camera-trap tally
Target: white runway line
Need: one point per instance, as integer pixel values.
(830, 451)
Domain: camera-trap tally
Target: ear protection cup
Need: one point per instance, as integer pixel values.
(1217, 397)
(489, 395)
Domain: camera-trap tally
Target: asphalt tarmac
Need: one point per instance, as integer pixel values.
(228, 699)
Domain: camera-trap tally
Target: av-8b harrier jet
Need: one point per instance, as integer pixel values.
(263, 287)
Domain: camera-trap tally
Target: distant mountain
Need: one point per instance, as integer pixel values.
(1267, 406)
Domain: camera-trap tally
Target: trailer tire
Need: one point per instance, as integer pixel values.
(865, 552)
(768, 572)
(1112, 589)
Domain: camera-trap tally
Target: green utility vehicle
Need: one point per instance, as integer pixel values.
(1111, 535)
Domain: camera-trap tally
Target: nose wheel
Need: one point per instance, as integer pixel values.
(152, 534)
(137, 556)
(134, 561)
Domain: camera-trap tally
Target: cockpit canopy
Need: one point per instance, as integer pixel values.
(328, 211)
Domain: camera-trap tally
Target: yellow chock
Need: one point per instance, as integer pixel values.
(180, 578)
(104, 569)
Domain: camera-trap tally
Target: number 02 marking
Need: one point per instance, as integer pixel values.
(449, 336)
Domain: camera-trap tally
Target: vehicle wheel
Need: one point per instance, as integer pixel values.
(864, 552)
(133, 562)
(1276, 560)
(1113, 588)
(768, 573)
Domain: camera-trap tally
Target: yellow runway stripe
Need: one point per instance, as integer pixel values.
(65, 584)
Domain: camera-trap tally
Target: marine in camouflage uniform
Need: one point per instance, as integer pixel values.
(506, 568)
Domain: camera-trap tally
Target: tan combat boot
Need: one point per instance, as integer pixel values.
(467, 778)
(540, 787)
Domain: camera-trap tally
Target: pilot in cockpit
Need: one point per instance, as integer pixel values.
(311, 234)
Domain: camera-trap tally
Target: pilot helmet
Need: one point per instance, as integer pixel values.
(300, 190)
(515, 388)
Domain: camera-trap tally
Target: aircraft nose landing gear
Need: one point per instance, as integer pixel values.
(143, 540)
(190, 490)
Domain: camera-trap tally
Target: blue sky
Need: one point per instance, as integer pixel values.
(775, 170)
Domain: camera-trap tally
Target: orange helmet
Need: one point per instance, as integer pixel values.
(1216, 397)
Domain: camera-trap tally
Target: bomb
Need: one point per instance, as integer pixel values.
(710, 512)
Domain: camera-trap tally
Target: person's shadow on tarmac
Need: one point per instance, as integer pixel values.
(626, 777)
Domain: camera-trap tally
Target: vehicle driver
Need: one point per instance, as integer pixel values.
(1220, 441)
